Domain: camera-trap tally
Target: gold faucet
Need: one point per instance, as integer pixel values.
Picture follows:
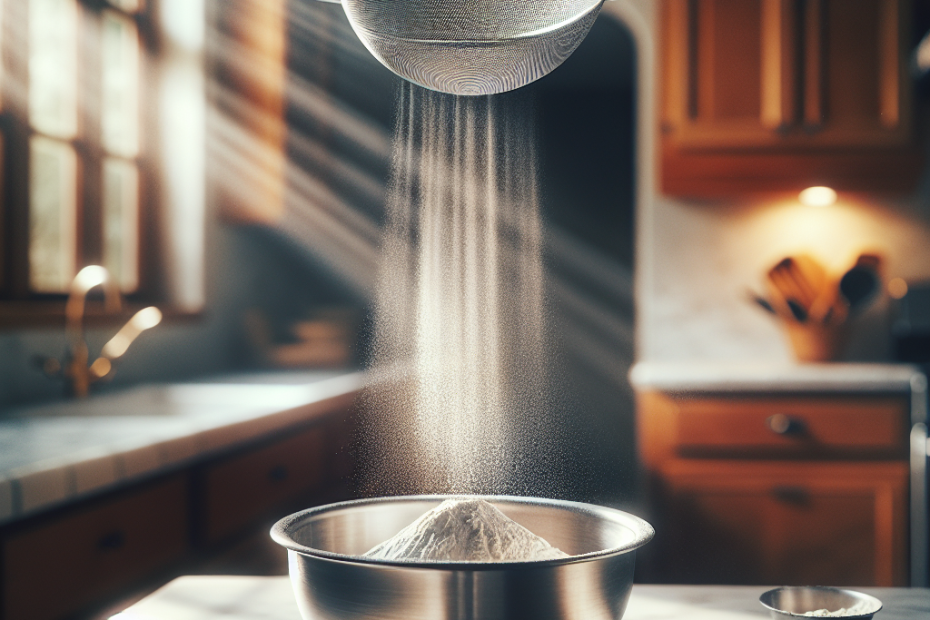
(79, 374)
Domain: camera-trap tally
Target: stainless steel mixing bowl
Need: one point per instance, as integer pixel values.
(331, 580)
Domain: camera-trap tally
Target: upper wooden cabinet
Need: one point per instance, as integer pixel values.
(778, 95)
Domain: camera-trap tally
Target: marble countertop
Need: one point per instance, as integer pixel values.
(56, 453)
(749, 377)
(270, 598)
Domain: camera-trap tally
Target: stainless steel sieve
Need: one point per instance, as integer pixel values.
(331, 580)
(479, 47)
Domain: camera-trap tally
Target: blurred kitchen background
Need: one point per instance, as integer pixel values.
(227, 162)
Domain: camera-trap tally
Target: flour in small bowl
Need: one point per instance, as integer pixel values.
(860, 609)
(470, 530)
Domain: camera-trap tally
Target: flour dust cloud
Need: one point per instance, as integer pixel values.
(460, 320)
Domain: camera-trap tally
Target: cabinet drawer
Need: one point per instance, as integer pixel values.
(246, 487)
(60, 566)
(787, 523)
(815, 427)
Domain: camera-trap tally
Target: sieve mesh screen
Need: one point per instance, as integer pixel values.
(472, 47)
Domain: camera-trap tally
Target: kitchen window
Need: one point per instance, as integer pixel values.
(78, 134)
(82, 84)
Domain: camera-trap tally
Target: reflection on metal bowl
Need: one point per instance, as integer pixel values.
(331, 580)
(805, 601)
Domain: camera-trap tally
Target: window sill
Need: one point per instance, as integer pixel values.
(39, 314)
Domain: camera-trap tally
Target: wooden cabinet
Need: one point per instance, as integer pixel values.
(244, 487)
(779, 95)
(63, 563)
(780, 489)
(76, 557)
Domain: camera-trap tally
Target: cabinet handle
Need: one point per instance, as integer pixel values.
(799, 496)
(111, 541)
(278, 473)
(785, 425)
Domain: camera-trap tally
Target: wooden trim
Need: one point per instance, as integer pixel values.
(259, 29)
(779, 55)
(702, 103)
(890, 58)
(721, 174)
(51, 314)
(676, 57)
(813, 64)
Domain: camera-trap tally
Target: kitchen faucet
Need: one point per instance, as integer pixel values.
(75, 369)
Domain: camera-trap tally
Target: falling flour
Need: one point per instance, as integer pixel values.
(460, 317)
(465, 531)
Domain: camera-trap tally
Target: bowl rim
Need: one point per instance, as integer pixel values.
(642, 531)
(854, 593)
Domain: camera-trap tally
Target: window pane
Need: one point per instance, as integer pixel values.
(121, 222)
(53, 52)
(130, 6)
(120, 101)
(52, 215)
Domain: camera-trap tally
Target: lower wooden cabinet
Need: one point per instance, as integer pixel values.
(56, 565)
(786, 523)
(777, 489)
(242, 488)
(62, 564)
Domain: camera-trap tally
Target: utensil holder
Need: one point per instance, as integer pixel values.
(817, 342)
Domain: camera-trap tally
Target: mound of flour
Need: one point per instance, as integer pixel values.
(465, 531)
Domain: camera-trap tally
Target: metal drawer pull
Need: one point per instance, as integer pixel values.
(112, 541)
(782, 424)
(278, 473)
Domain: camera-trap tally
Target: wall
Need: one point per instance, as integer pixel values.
(696, 261)
(706, 257)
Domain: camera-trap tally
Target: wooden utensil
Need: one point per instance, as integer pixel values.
(800, 280)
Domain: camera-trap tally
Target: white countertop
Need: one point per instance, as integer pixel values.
(749, 377)
(55, 453)
(271, 598)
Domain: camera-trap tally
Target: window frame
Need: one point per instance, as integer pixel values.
(19, 305)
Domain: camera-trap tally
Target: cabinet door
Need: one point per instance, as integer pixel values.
(729, 79)
(244, 488)
(777, 95)
(785, 523)
(854, 82)
(55, 568)
(762, 74)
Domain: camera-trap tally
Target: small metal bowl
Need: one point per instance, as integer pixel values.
(797, 602)
(332, 581)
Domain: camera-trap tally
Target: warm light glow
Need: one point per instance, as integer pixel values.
(922, 56)
(142, 320)
(818, 197)
(897, 288)
(90, 276)
(147, 318)
(101, 367)
(183, 22)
